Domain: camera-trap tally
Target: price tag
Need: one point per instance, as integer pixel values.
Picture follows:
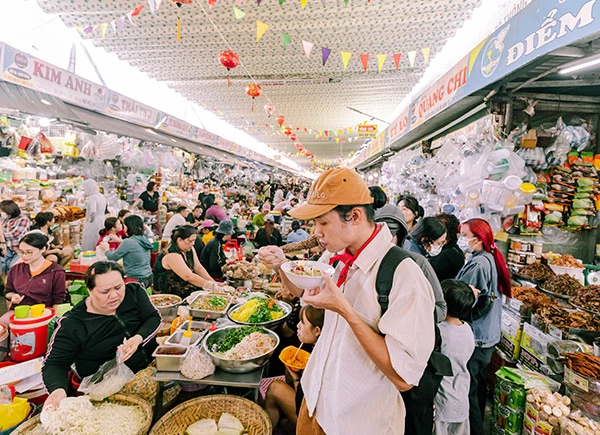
(515, 304)
(576, 380)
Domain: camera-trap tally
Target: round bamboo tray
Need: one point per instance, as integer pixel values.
(253, 417)
(32, 423)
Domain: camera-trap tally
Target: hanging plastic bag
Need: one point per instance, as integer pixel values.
(110, 378)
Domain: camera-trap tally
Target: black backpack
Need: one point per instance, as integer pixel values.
(438, 365)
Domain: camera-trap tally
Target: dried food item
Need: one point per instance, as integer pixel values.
(551, 406)
(241, 270)
(584, 363)
(312, 242)
(564, 319)
(567, 260)
(162, 301)
(537, 272)
(576, 424)
(588, 298)
(530, 297)
(563, 285)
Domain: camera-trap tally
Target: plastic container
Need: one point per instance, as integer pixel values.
(527, 189)
(170, 363)
(22, 311)
(493, 195)
(37, 310)
(29, 337)
(13, 414)
(512, 182)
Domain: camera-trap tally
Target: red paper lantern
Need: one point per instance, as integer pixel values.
(269, 109)
(254, 91)
(280, 120)
(211, 3)
(287, 131)
(229, 60)
(293, 137)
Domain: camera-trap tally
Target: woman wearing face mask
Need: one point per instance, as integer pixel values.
(34, 280)
(428, 237)
(486, 272)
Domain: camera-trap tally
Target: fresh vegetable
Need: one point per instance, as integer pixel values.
(234, 336)
(258, 310)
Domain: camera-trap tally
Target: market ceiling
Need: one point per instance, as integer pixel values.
(319, 98)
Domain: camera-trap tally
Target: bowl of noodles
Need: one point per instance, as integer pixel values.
(306, 274)
(239, 348)
(260, 311)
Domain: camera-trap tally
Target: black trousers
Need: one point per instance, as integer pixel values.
(477, 366)
(419, 420)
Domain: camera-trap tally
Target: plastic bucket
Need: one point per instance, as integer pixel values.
(29, 337)
(3, 341)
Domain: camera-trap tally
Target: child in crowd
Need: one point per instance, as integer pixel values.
(458, 343)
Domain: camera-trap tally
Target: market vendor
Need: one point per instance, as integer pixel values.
(206, 193)
(363, 358)
(56, 253)
(259, 219)
(34, 279)
(195, 217)
(13, 226)
(135, 251)
(178, 219)
(115, 316)
(178, 270)
(207, 230)
(150, 201)
(213, 258)
(213, 210)
(108, 234)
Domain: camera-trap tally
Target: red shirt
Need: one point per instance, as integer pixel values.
(112, 245)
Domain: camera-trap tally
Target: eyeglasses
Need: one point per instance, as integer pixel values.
(25, 253)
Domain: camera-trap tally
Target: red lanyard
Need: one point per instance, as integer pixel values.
(348, 259)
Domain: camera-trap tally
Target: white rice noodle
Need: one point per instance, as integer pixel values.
(251, 346)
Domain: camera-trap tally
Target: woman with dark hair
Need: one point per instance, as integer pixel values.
(34, 280)
(378, 195)
(213, 211)
(135, 251)
(486, 272)
(411, 209)
(448, 262)
(178, 270)
(205, 193)
(115, 316)
(55, 252)
(427, 238)
(112, 226)
(13, 226)
(122, 215)
(268, 235)
(297, 234)
(178, 219)
(212, 257)
(150, 200)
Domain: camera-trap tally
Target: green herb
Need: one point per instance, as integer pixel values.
(264, 310)
(234, 336)
(217, 301)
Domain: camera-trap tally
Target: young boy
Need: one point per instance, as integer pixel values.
(458, 343)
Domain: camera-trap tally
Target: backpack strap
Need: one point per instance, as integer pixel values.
(385, 275)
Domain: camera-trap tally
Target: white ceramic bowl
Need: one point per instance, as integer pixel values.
(307, 282)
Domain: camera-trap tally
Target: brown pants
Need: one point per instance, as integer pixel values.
(307, 425)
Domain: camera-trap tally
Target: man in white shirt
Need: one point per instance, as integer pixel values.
(363, 360)
(179, 218)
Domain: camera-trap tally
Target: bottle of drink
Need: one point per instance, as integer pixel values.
(77, 250)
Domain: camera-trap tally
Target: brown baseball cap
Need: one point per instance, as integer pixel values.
(339, 186)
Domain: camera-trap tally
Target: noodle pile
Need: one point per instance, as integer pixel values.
(251, 346)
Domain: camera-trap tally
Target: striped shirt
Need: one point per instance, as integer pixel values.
(343, 387)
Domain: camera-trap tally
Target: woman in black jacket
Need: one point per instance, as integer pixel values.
(268, 235)
(448, 262)
(212, 256)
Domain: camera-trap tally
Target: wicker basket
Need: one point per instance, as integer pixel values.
(253, 417)
(32, 423)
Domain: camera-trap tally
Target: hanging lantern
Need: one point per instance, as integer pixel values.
(180, 3)
(229, 60)
(280, 120)
(287, 131)
(293, 137)
(269, 108)
(254, 91)
(211, 3)
(298, 146)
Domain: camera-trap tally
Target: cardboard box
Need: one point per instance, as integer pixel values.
(534, 348)
(512, 328)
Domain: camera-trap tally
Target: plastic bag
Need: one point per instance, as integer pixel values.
(197, 364)
(110, 378)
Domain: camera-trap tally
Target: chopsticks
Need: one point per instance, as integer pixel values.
(297, 352)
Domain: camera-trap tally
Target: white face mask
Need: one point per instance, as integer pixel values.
(435, 250)
(3, 215)
(463, 243)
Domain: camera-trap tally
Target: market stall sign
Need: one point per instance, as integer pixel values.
(25, 70)
(175, 126)
(367, 130)
(399, 127)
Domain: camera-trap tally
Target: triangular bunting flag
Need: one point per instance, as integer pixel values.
(346, 55)
(474, 53)
(337, 140)
(130, 16)
(364, 58)
(303, 3)
(381, 61)
(114, 26)
(103, 28)
(281, 2)
(239, 14)
(258, 1)
(349, 130)
(120, 23)
(340, 132)
(239, 2)
(426, 52)
(326, 52)
(307, 48)
(286, 39)
(137, 11)
(261, 28)
(412, 55)
(397, 58)
(153, 5)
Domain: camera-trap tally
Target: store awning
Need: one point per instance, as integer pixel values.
(28, 101)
